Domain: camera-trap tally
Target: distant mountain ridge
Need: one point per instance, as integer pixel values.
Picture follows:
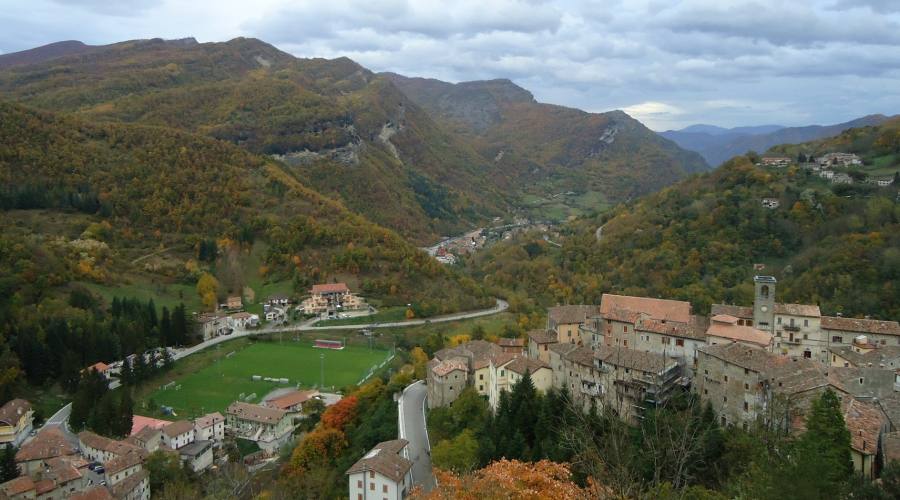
(536, 143)
(717, 144)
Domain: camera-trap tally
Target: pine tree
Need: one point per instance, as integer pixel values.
(179, 325)
(125, 413)
(9, 469)
(152, 321)
(165, 328)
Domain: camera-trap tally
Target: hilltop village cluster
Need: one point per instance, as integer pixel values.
(761, 363)
(825, 165)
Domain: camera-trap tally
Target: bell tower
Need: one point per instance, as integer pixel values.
(764, 303)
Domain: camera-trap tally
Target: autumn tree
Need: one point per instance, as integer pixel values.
(338, 415)
(459, 454)
(208, 289)
(318, 448)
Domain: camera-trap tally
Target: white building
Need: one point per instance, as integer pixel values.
(178, 434)
(210, 427)
(383, 473)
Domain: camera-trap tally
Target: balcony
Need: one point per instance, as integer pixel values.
(792, 328)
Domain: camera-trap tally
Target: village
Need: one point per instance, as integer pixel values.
(836, 168)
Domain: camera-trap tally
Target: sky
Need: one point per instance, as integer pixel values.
(667, 63)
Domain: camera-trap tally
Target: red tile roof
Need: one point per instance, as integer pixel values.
(49, 442)
(659, 309)
(798, 310)
(330, 288)
(291, 399)
(138, 422)
(13, 410)
(567, 315)
(739, 333)
(856, 325)
(385, 459)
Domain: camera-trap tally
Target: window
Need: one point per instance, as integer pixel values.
(359, 483)
(625, 343)
(480, 387)
(746, 386)
(837, 339)
(627, 370)
(805, 336)
(705, 391)
(883, 342)
(792, 321)
(625, 328)
(480, 376)
(746, 406)
(724, 421)
(805, 322)
(372, 474)
(724, 399)
(706, 372)
(679, 342)
(502, 373)
(807, 354)
(384, 488)
(746, 371)
(372, 486)
(726, 378)
(779, 320)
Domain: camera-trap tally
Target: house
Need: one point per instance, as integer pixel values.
(244, 320)
(383, 472)
(675, 340)
(565, 321)
(198, 455)
(269, 428)
(99, 367)
(840, 159)
(771, 203)
(148, 438)
(884, 181)
(512, 346)
(123, 466)
(745, 384)
(539, 342)
(619, 315)
(102, 449)
(22, 487)
(49, 443)
(329, 299)
(293, 401)
(826, 174)
(278, 299)
(178, 434)
(725, 329)
(134, 487)
(841, 331)
(775, 161)
(234, 302)
(65, 474)
(210, 427)
(444, 385)
(275, 314)
(139, 422)
(446, 380)
(508, 369)
(214, 324)
(841, 178)
(16, 419)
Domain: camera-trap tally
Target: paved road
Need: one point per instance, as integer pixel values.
(412, 428)
(60, 419)
(501, 306)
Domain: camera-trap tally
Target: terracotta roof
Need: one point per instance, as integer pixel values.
(138, 422)
(124, 461)
(255, 413)
(127, 485)
(724, 318)
(291, 399)
(44, 486)
(671, 328)
(13, 410)
(385, 459)
(209, 419)
(178, 428)
(143, 436)
(515, 342)
(622, 315)
(542, 337)
(95, 493)
(473, 350)
(856, 325)
(566, 315)
(563, 348)
(744, 356)
(330, 288)
(49, 442)
(99, 367)
(101, 443)
(739, 333)
(522, 364)
(581, 355)
(886, 357)
(798, 310)
(785, 375)
(649, 362)
(503, 358)
(445, 367)
(17, 486)
(659, 309)
(865, 424)
(62, 469)
(730, 310)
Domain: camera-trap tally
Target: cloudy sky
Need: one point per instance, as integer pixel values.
(665, 62)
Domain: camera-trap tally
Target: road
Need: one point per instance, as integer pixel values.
(500, 306)
(411, 411)
(60, 419)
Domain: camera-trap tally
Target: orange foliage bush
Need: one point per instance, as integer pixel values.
(340, 414)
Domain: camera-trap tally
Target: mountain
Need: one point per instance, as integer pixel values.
(44, 53)
(836, 245)
(544, 147)
(345, 131)
(719, 144)
(93, 202)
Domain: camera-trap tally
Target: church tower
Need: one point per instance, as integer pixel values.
(764, 303)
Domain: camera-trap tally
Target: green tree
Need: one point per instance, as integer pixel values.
(459, 454)
(9, 469)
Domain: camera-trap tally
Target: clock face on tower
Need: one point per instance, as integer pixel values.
(764, 308)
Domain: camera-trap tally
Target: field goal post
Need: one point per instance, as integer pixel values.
(328, 344)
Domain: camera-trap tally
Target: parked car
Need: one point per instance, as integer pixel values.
(99, 469)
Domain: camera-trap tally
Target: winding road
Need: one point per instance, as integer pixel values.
(411, 411)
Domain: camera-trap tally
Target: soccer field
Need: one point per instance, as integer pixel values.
(216, 386)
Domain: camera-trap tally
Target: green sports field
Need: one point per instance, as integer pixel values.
(216, 386)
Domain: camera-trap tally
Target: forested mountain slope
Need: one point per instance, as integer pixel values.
(77, 197)
(341, 128)
(834, 245)
(548, 145)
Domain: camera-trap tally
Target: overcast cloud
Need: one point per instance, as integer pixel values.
(667, 63)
